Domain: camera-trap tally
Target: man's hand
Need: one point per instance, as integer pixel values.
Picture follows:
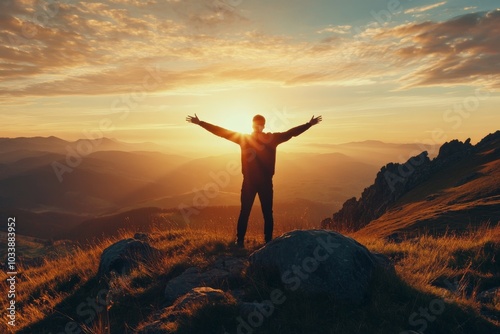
(316, 120)
(193, 119)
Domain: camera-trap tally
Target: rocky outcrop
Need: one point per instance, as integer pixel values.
(318, 262)
(391, 183)
(395, 180)
(124, 255)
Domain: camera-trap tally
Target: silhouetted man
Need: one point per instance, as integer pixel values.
(258, 159)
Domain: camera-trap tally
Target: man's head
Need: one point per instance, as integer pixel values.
(259, 123)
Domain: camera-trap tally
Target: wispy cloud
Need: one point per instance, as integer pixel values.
(422, 9)
(342, 29)
(462, 50)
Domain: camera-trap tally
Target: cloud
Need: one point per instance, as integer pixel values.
(422, 9)
(342, 29)
(463, 50)
(208, 14)
(108, 47)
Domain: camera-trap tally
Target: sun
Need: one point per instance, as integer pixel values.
(240, 121)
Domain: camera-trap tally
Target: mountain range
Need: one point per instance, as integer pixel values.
(53, 184)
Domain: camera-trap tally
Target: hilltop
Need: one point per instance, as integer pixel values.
(69, 293)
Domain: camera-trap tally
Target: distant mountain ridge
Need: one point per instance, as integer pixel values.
(57, 145)
(115, 176)
(460, 186)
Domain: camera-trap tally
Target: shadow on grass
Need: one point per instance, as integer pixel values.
(87, 307)
(66, 313)
(391, 307)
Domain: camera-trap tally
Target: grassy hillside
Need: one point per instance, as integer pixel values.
(453, 199)
(60, 293)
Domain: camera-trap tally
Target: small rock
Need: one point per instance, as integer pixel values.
(184, 306)
(201, 296)
(192, 278)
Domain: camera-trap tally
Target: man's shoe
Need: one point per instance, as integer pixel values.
(240, 244)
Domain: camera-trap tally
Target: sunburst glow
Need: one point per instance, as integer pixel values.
(240, 121)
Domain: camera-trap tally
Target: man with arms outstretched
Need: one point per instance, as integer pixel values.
(258, 159)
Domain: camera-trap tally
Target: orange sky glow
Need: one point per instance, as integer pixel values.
(133, 70)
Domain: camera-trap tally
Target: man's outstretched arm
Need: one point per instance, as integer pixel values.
(216, 130)
(294, 132)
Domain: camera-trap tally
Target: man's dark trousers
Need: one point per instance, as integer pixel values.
(251, 187)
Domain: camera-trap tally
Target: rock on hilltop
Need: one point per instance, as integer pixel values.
(318, 262)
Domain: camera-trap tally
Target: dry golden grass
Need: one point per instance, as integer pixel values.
(454, 259)
(420, 262)
(40, 289)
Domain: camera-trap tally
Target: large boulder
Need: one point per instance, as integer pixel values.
(124, 255)
(318, 262)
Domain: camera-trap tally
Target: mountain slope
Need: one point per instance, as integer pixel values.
(459, 188)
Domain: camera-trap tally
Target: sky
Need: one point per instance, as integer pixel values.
(398, 71)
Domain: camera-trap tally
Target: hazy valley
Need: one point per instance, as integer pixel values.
(433, 216)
